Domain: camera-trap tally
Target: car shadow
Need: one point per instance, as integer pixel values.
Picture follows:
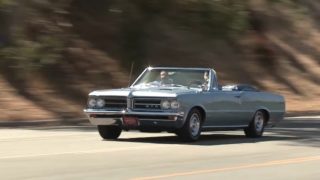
(297, 132)
(207, 139)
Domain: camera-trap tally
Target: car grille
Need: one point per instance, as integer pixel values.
(115, 103)
(147, 104)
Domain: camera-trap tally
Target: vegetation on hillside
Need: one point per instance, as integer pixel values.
(53, 52)
(36, 38)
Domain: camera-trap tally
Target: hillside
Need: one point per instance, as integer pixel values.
(54, 52)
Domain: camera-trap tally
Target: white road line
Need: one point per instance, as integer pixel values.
(232, 168)
(43, 137)
(86, 152)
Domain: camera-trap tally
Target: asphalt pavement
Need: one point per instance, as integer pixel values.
(288, 151)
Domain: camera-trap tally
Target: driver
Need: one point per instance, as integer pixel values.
(164, 78)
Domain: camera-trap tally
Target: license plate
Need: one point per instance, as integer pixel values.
(130, 121)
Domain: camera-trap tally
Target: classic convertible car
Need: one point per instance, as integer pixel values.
(184, 101)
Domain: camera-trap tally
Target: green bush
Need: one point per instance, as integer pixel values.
(217, 19)
(32, 42)
(31, 55)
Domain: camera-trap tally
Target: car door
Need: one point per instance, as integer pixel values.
(224, 108)
(249, 103)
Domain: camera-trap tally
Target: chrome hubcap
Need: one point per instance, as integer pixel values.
(194, 124)
(259, 121)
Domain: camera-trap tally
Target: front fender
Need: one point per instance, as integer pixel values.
(187, 103)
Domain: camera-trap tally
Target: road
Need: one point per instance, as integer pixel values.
(289, 151)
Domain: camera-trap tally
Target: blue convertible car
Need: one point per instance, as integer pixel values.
(184, 101)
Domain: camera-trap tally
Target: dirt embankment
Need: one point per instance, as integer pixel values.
(279, 52)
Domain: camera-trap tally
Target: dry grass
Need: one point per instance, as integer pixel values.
(288, 64)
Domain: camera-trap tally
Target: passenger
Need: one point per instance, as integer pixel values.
(206, 80)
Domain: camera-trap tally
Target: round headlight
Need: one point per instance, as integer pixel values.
(165, 104)
(175, 104)
(100, 103)
(92, 103)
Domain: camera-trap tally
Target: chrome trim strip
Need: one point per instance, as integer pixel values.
(129, 103)
(233, 126)
(149, 98)
(146, 104)
(147, 110)
(168, 68)
(89, 111)
(165, 120)
(138, 78)
(123, 103)
(180, 68)
(112, 121)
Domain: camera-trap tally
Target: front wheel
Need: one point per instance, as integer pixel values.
(256, 126)
(109, 132)
(191, 130)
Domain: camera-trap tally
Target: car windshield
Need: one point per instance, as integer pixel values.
(174, 78)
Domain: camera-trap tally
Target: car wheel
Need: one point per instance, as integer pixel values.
(109, 132)
(256, 126)
(191, 129)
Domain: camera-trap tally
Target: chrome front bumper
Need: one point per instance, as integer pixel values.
(103, 117)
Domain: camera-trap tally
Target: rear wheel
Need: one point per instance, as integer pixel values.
(256, 126)
(191, 130)
(109, 132)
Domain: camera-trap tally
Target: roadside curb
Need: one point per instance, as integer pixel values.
(302, 117)
(306, 113)
(46, 122)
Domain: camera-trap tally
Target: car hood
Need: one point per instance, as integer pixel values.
(145, 92)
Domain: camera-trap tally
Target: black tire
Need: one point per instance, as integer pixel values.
(191, 129)
(109, 132)
(256, 126)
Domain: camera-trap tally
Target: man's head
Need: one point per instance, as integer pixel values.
(206, 76)
(163, 75)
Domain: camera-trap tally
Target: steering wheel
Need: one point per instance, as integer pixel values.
(197, 83)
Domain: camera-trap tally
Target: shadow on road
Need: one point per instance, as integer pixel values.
(297, 132)
(207, 139)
